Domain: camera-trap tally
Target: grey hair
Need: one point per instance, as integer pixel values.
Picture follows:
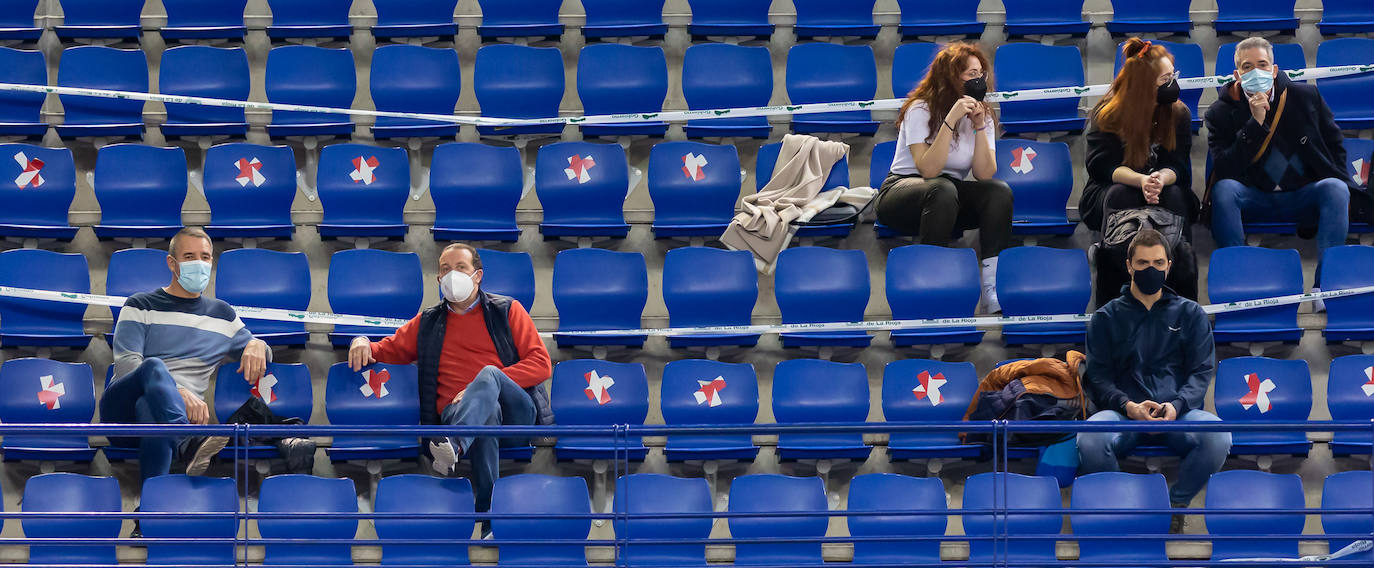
(1253, 43)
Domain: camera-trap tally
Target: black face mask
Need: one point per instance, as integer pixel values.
(1168, 93)
(976, 88)
(1148, 280)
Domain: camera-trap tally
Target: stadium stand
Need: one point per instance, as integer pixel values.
(840, 276)
(1345, 95)
(772, 493)
(597, 289)
(877, 492)
(989, 491)
(698, 391)
(413, 494)
(1162, 16)
(910, 61)
(249, 188)
(622, 79)
(196, 20)
(475, 188)
(1255, 16)
(135, 270)
(1248, 273)
(1260, 388)
(706, 286)
(288, 394)
(1347, 399)
(536, 18)
(816, 391)
(1041, 178)
(373, 282)
(18, 22)
(827, 73)
(839, 177)
(188, 494)
(71, 493)
(1251, 490)
(935, 18)
(100, 19)
(517, 81)
(730, 18)
(1346, 16)
(551, 498)
(99, 67)
(594, 392)
(43, 323)
(210, 72)
(1039, 18)
(141, 190)
(379, 395)
(914, 292)
(66, 395)
(921, 390)
(37, 208)
(509, 274)
(822, 18)
(582, 188)
(322, 19)
(623, 18)
(263, 278)
(1350, 318)
(20, 112)
(694, 187)
(295, 493)
(671, 495)
(1019, 66)
(363, 191)
(310, 75)
(719, 75)
(1042, 281)
(1127, 493)
(411, 78)
(411, 18)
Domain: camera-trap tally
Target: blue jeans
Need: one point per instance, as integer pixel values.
(148, 395)
(492, 399)
(1327, 200)
(1203, 452)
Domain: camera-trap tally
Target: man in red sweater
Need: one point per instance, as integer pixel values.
(481, 362)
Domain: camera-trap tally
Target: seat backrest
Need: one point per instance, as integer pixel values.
(692, 183)
(582, 182)
(1124, 493)
(375, 282)
(827, 72)
(1151, 11)
(911, 61)
(1250, 273)
(1286, 56)
(699, 391)
(828, 13)
(361, 184)
(20, 14)
(475, 185)
(1347, 11)
(286, 388)
(509, 274)
(262, 278)
(1041, 280)
(136, 270)
(924, 390)
(1249, 489)
(99, 13)
(1021, 66)
(414, 494)
(309, 12)
(623, 12)
(767, 160)
(614, 78)
(658, 494)
(772, 493)
(813, 390)
(1347, 490)
(380, 394)
(506, 13)
(916, 291)
(43, 270)
(1350, 388)
(295, 493)
(204, 71)
(39, 184)
(1347, 95)
(102, 67)
(65, 392)
(26, 67)
(310, 75)
(190, 494)
(806, 273)
(599, 289)
(70, 492)
(411, 78)
(1341, 269)
(891, 492)
(1040, 175)
(1254, 9)
(538, 495)
(249, 184)
(985, 492)
(201, 14)
(1260, 388)
(1037, 11)
(517, 81)
(597, 392)
(1358, 154)
(709, 286)
(414, 12)
(715, 12)
(880, 162)
(139, 185)
(720, 75)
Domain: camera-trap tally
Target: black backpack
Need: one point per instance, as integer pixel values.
(1122, 226)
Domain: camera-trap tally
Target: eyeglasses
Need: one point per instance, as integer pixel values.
(1170, 77)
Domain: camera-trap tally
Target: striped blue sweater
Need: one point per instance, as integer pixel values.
(192, 336)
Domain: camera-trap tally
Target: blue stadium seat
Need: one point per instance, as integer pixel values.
(811, 391)
(262, 278)
(410, 78)
(65, 393)
(1286, 56)
(723, 76)
(623, 18)
(509, 274)
(196, 19)
(1043, 281)
(700, 392)
(1350, 397)
(1041, 178)
(1346, 17)
(730, 18)
(1126, 492)
(925, 281)
(475, 188)
(936, 18)
(309, 19)
(767, 493)
(874, 492)
(824, 18)
(706, 286)
(98, 67)
(766, 160)
(1252, 389)
(1347, 96)
(41, 323)
(18, 22)
(1142, 16)
(840, 276)
(204, 71)
(309, 75)
(1188, 62)
(620, 79)
(287, 392)
(409, 18)
(658, 494)
(1251, 490)
(250, 189)
(381, 395)
(414, 494)
(20, 113)
(827, 73)
(1350, 318)
(363, 191)
(40, 193)
(135, 270)
(582, 188)
(910, 62)
(879, 165)
(518, 81)
(1250, 273)
(986, 492)
(1347, 490)
(694, 187)
(190, 494)
(547, 500)
(599, 289)
(1255, 15)
(115, 19)
(921, 390)
(295, 493)
(140, 190)
(1022, 66)
(1039, 17)
(71, 493)
(532, 18)
(370, 282)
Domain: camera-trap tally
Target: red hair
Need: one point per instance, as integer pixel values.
(1122, 110)
(944, 84)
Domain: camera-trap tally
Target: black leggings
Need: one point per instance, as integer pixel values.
(935, 208)
(1172, 197)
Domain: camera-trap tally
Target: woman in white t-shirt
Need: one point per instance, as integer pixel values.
(945, 132)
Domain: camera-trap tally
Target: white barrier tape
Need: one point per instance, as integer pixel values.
(877, 325)
(666, 116)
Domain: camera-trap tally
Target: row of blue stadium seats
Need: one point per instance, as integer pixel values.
(591, 392)
(522, 82)
(191, 19)
(597, 289)
(662, 509)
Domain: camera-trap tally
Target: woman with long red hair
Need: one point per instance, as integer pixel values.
(945, 134)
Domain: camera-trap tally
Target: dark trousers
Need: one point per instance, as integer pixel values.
(492, 399)
(148, 395)
(935, 208)
(1172, 197)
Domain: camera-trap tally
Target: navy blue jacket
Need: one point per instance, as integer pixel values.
(1165, 354)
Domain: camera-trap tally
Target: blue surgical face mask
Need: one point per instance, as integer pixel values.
(1257, 81)
(194, 275)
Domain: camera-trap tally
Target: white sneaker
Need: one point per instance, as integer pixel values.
(444, 457)
(989, 294)
(1318, 306)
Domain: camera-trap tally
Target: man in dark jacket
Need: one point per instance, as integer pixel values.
(1300, 175)
(1151, 358)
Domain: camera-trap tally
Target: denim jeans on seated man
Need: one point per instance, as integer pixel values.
(146, 395)
(1327, 202)
(1203, 452)
(492, 399)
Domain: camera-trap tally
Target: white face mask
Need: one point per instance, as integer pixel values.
(456, 286)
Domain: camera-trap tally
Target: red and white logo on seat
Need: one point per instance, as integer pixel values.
(1361, 171)
(29, 176)
(250, 171)
(709, 393)
(929, 387)
(577, 168)
(374, 383)
(598, 387)
(264, 389)
(1021, 160)
(1258, 395)
(51, 395)
(362, 170)
(1368, 386)
(692, 165)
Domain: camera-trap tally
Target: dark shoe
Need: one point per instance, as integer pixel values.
(1177, 522)
(299, 454)
(202, 449)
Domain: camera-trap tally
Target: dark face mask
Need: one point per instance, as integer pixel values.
(976, 88)
(1148, 280)
(1168, 93)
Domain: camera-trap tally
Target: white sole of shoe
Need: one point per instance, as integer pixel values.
(206, 452)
